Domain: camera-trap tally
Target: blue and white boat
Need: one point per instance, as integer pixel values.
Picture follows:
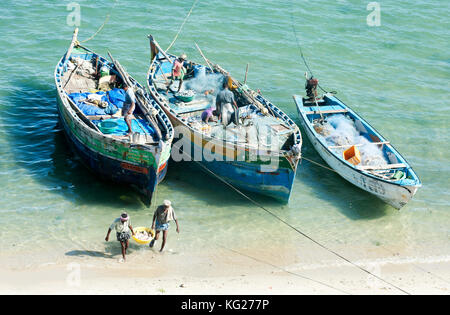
(389, 177)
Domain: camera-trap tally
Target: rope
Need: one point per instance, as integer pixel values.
(103, 25)
(297, 230)
(182, 25)
(284, 270)
(318, 164)
(301, 52)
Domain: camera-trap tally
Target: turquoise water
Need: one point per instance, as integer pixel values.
(395, 75)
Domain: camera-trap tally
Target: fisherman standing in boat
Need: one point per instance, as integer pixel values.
(311, 87)
(122, 225)
(128, 107)
(224, 102)
(161, 218)
(178, 70)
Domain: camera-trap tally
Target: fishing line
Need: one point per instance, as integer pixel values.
(284, 270)
(301, 51)
(295, 229)
(182, 25)
(104, 23)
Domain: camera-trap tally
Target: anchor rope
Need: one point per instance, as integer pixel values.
(103, 25)
(182, 25)
(294, 228)
(318, 164)
(285, 270)
(301, 53)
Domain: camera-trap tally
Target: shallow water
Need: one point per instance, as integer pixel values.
(396, 76)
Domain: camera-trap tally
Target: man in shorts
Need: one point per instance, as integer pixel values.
(178, 70)
(128, 107)
(123, 227)
(161, 218)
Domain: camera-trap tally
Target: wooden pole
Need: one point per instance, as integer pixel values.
(72, 44)
(154, 42)
(246, 72)
(206, 60)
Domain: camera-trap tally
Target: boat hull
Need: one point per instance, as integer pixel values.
(143, 178)
(396, 195)
(271, 176)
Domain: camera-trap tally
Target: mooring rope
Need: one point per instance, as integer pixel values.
(296, 229)
(318, 164)
(285, 270)
(103, 25)
(182, 25)
(301, 52)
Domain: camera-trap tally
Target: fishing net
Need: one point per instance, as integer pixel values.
(340, 130)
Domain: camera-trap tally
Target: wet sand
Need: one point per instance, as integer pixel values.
(225, 271)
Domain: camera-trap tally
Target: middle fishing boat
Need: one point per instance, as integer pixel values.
(259, 151)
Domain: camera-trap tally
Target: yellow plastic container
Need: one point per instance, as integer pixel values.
(352, 155)
(140, 229)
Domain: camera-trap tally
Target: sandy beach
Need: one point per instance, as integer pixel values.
(225, 271)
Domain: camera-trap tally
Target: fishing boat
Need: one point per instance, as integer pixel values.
(259, 153)
(355, 150)
(89, 100)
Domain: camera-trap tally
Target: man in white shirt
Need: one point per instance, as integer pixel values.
(122, 225)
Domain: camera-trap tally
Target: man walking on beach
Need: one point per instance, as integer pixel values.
(122, 225)
(128, 107)
(162, 216)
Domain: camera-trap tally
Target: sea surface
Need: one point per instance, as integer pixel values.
(395, 75)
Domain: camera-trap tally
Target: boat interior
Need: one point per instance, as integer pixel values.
(93, 87)
(260, 123)
(342, 131)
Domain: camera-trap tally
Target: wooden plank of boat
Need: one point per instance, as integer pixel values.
(331, 111)
(381, 167)
(357, 145)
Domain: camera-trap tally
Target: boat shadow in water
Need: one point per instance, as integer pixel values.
(330, 187)
(193, 180)
(40, 146)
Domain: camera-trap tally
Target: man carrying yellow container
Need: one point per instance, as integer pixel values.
(161, 218)
(123, 228)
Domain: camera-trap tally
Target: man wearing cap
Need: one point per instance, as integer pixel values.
(122, 225)
(178, 70)
(162, 216)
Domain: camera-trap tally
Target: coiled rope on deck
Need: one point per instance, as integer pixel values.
(182, 25)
